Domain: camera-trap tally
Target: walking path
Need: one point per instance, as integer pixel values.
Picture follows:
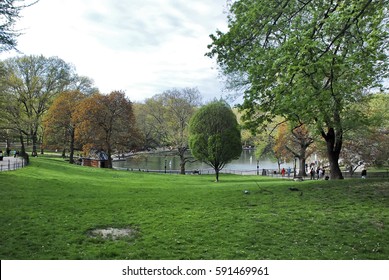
(11, 163)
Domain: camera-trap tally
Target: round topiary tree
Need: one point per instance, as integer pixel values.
(214, 135)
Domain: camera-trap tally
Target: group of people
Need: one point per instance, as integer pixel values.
(318, 173)
(283, 171)
(8, 153)
(315, 174)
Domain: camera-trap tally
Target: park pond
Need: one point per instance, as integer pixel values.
(170, 163)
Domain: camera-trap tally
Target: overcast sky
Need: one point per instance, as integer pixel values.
(142, 47)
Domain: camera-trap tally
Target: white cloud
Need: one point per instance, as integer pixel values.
(140, 46)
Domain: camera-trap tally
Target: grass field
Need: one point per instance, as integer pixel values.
(48, 210)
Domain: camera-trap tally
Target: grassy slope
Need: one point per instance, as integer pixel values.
(47, 209)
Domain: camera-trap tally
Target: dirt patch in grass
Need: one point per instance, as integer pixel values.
(113, 233)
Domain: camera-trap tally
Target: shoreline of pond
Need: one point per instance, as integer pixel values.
(167, 161)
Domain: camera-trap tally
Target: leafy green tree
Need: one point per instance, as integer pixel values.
(248, 138)
(3, 98)
(9, 13)
(369, 145)
(307, 61)
(83, 84)
(149, 135)
(215, 135)
(6, 133)
(168, 116)
(31, 84)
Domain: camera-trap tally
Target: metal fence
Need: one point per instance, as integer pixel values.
(261, 172)
(11, 163)
(209, 171)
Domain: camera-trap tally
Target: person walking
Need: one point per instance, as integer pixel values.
(312, 173)
(364, 173)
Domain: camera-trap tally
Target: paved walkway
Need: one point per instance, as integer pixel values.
(11, 163)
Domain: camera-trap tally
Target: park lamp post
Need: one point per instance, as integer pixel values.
(257, 166)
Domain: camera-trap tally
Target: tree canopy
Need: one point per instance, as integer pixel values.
(59, 126)
(30, 86)
(168, 116)
(369, 146)
(105, 122)
(9, 13)
(307, 61)
(214, 135)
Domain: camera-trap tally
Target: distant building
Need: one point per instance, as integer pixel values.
(97, 159)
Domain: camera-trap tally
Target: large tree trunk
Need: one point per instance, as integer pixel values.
(41, 144)
(109, 162)
(302, 157)
(23, 148)
(108, 148)
(217, 174)
(181, 153)
(333, 157)
(302, 172)
(34, 137)
(334, 145)
(71, 155)
(182, 167)
(8, 146)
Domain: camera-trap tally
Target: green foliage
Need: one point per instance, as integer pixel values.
(215, 135)
(28, 87)
(165, 119)
(369, 145)
(48, 208)
(3, 97)
(9, 13)
(168, 115)
(32, 83)
(307, 61)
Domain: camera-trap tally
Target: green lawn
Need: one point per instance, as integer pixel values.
(48, 209)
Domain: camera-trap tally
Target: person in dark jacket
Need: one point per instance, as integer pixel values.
(364, 173)
(312, 173)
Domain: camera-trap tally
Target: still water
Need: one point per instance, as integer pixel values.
(246, 163)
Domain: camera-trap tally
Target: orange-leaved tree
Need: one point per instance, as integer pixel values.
(293, 141)
(281, 153)
(59, 127)
(107, 123)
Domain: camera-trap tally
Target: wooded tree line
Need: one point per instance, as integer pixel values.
(29, 84)
(365, 145)
(45, 104)
(91, 122)
(44, 101)
(309, 72)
